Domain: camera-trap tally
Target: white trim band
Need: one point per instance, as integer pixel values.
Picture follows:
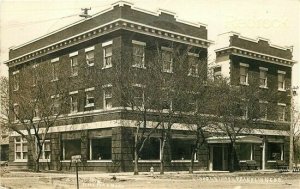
(90, 49)
(89, 89)
(107, 43)
(73, 54)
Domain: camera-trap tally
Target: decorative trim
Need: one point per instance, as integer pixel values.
(89, 49)
(166, 48)
(281, 104)
(107, 43)
(73, 92)
(281, 72)
(244, 65)
(263, 68)
(55, 60)
(89, 89)
(138, 43)
(255, 55)
(73, 54)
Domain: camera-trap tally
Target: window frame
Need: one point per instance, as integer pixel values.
(16, 80)
(73, 95)
(22, 151)
(89, 94)
(64, 148)
(105, 46)
(265, 104)
(88, 51)
(246, 76)
(105, 96)
(281, 151)
(143, 46)
(263, 81)
(74, 66)
(193, 65)
(281, 73)
(170, 62)
(252, 152)
(54, 68)
(43, 152)
(281, 114)
(91, 150)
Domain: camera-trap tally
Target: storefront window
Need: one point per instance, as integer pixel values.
(100, 149)
(181, 149)
(275, 151)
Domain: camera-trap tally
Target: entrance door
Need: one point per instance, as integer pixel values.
(218, 158)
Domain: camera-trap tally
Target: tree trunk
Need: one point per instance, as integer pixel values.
(191, 170)
(232, 157)
(37, 165)
(136, 159)
(162, 157)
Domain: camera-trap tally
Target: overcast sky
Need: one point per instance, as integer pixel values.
(277, 20)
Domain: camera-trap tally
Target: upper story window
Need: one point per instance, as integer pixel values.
(193, 64)
(263, 77)
(107, 96)
(138, 54)
(90, 56)
(107, 54)
(21, 150)
(16, 112)
(74, 63)
(74, 101)
(167, 59)
(282, 112)
(55, 105)
(16, 80)
(89, 97)
(244, 73)
(217, 72)
(54, 68)
(244, 110)
(281, 80)
(139, 95)
(34, 75)
(263, 109)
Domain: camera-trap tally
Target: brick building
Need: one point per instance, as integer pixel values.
(95, 124)
(267, 68)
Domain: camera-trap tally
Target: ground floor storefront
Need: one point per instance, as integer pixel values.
(112, 149)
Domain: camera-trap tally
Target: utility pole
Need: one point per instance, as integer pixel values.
(85, 12)
(292, 130)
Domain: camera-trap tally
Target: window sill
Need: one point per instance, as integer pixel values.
(90, 65)
(75, 75)
(53, 80)
(106, 67)
(193, 75)
(273, 161)
(21, 161)
(245, 84)
(89, 105)
(165, 71)
(15, 90)
(99, 161)
(137, 66)
(182, 161)
(282, 90)
(148, 161)
(263, 87)
(44, 160)
(65, 161)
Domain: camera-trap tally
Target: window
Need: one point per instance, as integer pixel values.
(89, 97)
(167, 59)
(217, 72)
(16, 112)
(74, 103)
(246, 151)
(275, 151)
(74, 66)
(16, 80)
(281, 80)
(46, 150)
(263, 77)
(21, 151)
(138, 95)
(34, 75)
(55, 105)
(54, 68)
(263, 109)
(100, 149)
(90, 56)
(107, 54)
(244, 74)
(281, 112)
(71, 148)
(151, 150)
(193, 64)
(138, 54)
(107, 98)
(36, 112)
(244, 110)
(182, 149)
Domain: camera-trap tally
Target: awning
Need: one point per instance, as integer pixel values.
(239, 139)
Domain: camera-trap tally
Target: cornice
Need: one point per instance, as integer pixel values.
(255, 55)
(108, 28)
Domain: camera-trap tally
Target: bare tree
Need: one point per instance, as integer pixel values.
(37, 99)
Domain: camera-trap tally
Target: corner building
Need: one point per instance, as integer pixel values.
(95, 125)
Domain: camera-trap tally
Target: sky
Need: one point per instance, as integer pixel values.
(277, 20)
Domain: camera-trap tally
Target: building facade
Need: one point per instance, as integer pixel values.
(88, 54)
(258, 66)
